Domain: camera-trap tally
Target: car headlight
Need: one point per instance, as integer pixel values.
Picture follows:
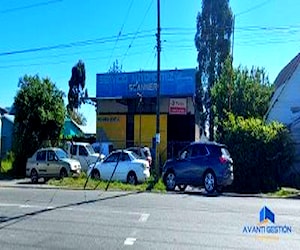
(75, 166)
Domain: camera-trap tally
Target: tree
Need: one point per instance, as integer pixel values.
(77, 95)
(212, 40)
(40, 115)
(77, 117)
(241, 92)
(115, 68)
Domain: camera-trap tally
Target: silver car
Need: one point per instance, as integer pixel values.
(51, 163)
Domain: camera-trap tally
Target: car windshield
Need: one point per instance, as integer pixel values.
(61, 154)
(90, 149)
(136, 156)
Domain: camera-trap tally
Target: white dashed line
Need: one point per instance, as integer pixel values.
(144, 217)
(129, 241)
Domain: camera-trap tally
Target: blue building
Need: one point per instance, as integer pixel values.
(126, 108)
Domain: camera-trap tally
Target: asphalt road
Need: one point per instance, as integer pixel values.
(63, 219)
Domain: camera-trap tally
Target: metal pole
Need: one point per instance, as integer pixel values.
(233, 26)
(157, 136)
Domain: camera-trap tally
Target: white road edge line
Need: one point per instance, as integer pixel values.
(144, 217)
(129, 241)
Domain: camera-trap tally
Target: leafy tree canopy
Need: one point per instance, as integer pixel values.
(77, 117)
(76, 86)
(115, 68)
(242, 92)
(39, 117)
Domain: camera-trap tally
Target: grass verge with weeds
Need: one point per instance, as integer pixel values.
(285, 192)
(79, 182)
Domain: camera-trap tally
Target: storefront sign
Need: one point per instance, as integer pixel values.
(177, 106)
(128, 85)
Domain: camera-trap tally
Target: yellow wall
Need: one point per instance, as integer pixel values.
(113, 128)
(148, 130)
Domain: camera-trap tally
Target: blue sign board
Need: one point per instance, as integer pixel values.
(128, 85)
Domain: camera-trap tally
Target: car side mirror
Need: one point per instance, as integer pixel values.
(55, 158)
(182, 155)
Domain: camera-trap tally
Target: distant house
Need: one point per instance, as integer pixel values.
(6, 129)
(71, 128)
(285, 103)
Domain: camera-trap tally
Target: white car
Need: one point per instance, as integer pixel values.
(51, 163)
(126, 165)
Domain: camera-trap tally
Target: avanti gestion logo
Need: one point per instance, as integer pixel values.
(267, 225)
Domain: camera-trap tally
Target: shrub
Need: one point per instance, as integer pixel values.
(261, 152)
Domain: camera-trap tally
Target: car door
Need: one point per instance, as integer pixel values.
(198, 163)
(53, 166)
(40, 163)
(124, 167)
(183, 165)
(83, 157)
(108, 165)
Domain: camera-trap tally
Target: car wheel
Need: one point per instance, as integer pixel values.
(182, 187)
(210, 182)
(63, 173)
(131, 178)
(170, 181)
(95, 174)
(34, 176)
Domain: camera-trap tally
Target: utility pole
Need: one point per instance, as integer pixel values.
(157, 136)
(233, 26)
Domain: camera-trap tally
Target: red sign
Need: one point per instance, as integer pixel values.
(177, 106)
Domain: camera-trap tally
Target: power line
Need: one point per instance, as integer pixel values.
(61, 61)
(252, 8)
(72, 53)
(134, 37)
(29, 6)
(79, 43)
(120, 32)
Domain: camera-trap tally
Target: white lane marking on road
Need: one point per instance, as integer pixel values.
(144, 217)
(129, 241)
(28, 206)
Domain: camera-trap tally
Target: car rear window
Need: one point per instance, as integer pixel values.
(215, 150)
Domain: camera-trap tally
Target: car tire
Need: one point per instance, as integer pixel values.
(63, 173)
(170, 181)
(182, 187)
(95, 174)
(34, 176)
(131, 178)
(210, 181)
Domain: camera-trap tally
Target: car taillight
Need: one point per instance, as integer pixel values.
(223, 159)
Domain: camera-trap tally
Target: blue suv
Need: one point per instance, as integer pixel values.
(200, 164)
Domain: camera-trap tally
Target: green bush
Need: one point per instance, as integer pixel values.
(261, 153)
(7, 163)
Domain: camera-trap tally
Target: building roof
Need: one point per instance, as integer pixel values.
(10, 118)
(286, 73)
(3, 111)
